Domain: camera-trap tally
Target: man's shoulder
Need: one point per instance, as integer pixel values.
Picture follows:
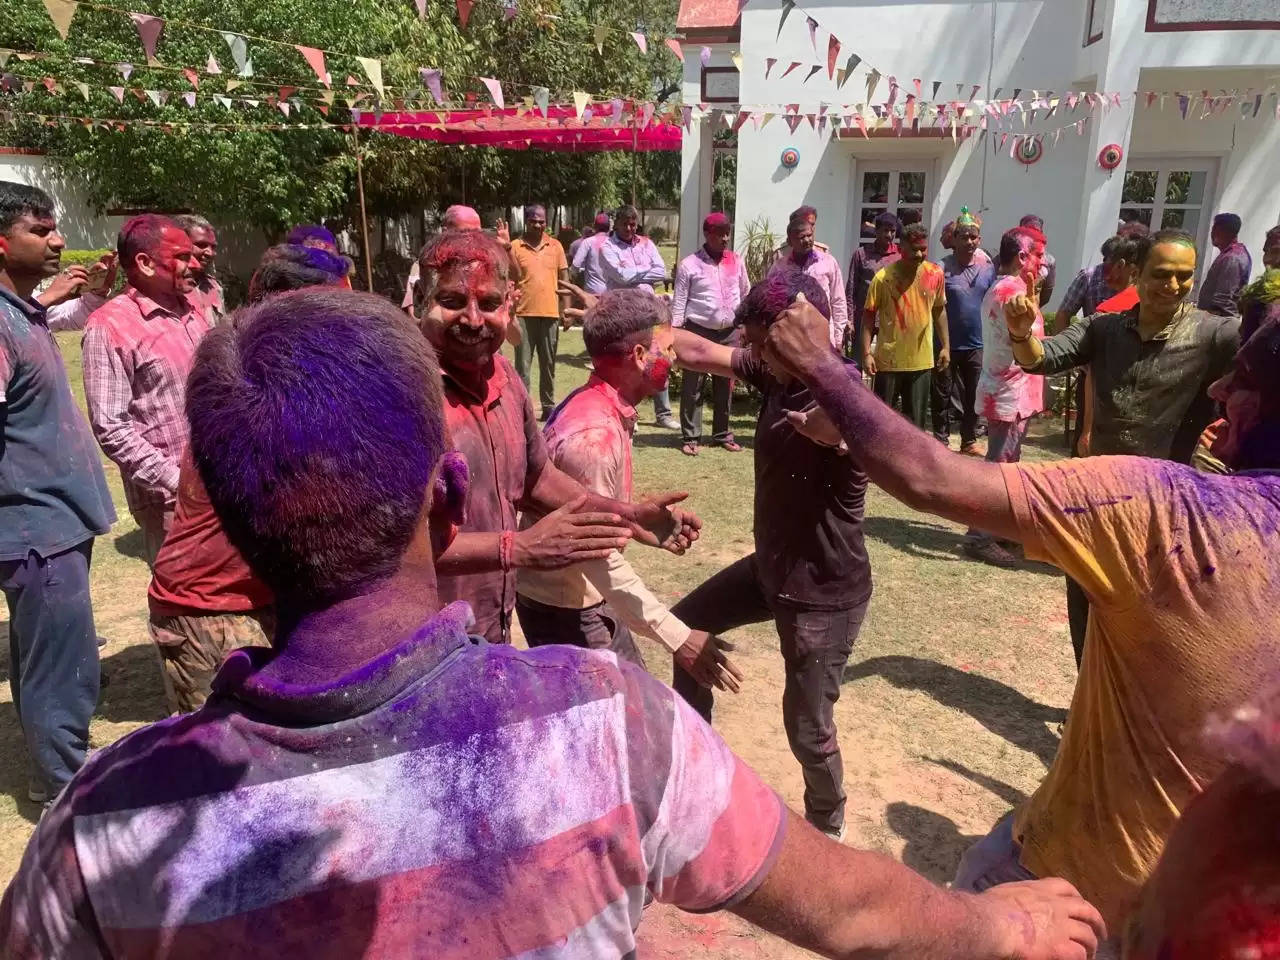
(119, 309)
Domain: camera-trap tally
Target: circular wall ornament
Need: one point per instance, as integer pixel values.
(790, 157)
(1109, 157)
(1029, 150)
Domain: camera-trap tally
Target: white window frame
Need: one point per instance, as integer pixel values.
(1163, 165)
(893, 167)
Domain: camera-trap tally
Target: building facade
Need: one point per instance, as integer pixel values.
(1223, 56)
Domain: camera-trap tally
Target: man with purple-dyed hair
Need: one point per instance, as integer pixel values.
(381, 784)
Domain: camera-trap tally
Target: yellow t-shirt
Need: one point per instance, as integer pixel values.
(904, 316)
(1183, 576)
(540, 267)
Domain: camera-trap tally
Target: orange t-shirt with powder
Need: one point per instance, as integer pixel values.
(1183, 576)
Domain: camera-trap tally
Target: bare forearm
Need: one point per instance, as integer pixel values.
(1029, 353)
(698, 353)
(554, 488)
(866, 336)
(471, 553)
(942, 330)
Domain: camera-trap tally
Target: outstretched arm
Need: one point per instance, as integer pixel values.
(908, 464)
(698, 353)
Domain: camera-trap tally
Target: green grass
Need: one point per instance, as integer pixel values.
(944, 718)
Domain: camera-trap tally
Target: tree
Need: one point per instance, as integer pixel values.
(276, 179)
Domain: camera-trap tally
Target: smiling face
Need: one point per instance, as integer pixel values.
(204, 246)
(1166, 278)
(466, 316)
(32, 248)
(168, 270)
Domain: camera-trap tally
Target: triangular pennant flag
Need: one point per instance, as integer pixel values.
(190, 98)
(936, 85)
(232, 83)
(598, 32)
(1183, 102)
(118, 93)
(542, 97)
(646, 115)
(373, 70)
(919, 92)
(1016, 91)
(813, 32)
(794, 64)
(1257, 104)
(705, 56)
(764, 121)
(61, 13)
(841, 76)
(51, 85)
(509, 8)
(193, 78)
(743, 115)
(641, 42)
(686, 117)
(833, 53)
(674, 46)
(768, 65)
(225, 102)
(580, 101)
(793, 122)
(283, 107)
(812, 70)
(153, 96)
(84, 90)
(911, 108)
(787, 7)
(239, 48)
(822, 124)
(211, 65)
(736, 57)
(464, 11)
(126, 69)
(495, 91)
(422, 8)
(430, 77)
(252, 104)
(315, 60)
(873, 78)
(861, 121)
(149, 30)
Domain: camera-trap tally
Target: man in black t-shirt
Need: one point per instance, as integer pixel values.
(809, 572)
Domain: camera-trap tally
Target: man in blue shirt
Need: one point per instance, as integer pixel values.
(53, 501)
(969, 273)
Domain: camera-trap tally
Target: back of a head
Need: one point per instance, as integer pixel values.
(142, 234)
(620, 319)
(316, 422)
(775, 293)
(601, 223)
(1033, 221)
(312, 234)
(909, 215)
(460, 217)
(290, 266)
(1228, 223)
(18, 199)
(1122, 247)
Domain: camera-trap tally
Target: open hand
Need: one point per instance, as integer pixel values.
(565, 537)
(812, 423)
(703, 657)
(657, 522)
(1041, 920)
(800, 339)
(579, 300)
(502, 232)
(869, 364)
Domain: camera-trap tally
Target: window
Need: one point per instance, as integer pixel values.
(1093, 21)
(903, 190)
(1171, 194)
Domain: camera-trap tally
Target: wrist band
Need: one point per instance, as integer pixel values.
(506, 548)
(1019, 339)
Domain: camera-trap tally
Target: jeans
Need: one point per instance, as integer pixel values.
(691, 394)
(541, 334)
(815, 648)
(1077, 618)
(594, 628)
(53, 658)
(662, 404)
(1004, 445)
(912, 387)
(954, 396)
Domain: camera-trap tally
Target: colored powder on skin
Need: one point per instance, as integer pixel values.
(657, 370)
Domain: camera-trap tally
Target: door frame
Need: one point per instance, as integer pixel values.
(1212, 162)
(894, 164)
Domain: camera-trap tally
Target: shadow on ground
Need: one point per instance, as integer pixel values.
(934, 843)
(934, 541)
(134, 690)
(1000, 708)
(130, 544)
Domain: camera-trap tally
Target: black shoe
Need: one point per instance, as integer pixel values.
(988, 551)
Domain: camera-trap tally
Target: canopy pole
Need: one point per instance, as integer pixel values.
(635, 144)
(364, 217)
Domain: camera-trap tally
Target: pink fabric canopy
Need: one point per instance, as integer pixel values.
(560, 129)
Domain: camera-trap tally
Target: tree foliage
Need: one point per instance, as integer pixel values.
(274, 179)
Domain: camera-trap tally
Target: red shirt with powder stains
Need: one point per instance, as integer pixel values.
(498, 435)
(1005, 391)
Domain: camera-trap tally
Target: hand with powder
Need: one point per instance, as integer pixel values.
(657, 522)
(579, 301)
(565, 537)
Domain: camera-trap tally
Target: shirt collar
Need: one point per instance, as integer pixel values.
(1131, 322)
(149, 308)
(33, 308)
(373, 684)
(494, 383)
(608, 390)
(525, 243)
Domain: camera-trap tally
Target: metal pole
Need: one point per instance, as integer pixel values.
(635, 139)
(364, 217)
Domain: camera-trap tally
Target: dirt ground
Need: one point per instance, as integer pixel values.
(949, 712)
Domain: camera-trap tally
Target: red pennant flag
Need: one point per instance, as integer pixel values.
(916, 81)
(315, 60)
(794, 64)
(674, 46)
(464, 11)
(193, 78)
(833, 53)
(768, 65)
(794, 121)
(149, 30)
(743, 115)
(813, 32)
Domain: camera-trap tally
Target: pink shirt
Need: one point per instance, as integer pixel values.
(137, 355)
(823, 268)
(708, 291)
(1006, 391)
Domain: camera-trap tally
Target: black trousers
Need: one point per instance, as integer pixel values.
(595, 628)
(815, 648)
(691, 393)
(912, 387)
(1077, 617)
(953, 399)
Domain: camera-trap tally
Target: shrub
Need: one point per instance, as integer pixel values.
(658, 235)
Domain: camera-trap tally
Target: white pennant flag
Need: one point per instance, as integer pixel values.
(373, 69)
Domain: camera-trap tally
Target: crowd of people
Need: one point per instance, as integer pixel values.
(346, 505)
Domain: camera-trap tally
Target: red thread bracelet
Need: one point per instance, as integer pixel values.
(506, 548)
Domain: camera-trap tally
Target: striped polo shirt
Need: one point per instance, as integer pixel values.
(450, 799)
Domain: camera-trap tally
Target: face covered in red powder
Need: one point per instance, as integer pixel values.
(466, 315)
(655, 364)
